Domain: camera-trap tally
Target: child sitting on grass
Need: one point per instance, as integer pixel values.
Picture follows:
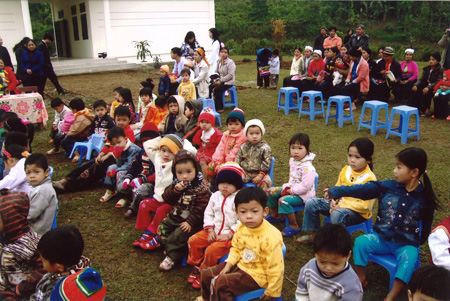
(14, 157)
(126, 99)
(256, 257)
(172, 122)
(328, 275)
(43, 202)
(84, 285)
(60, 111)
(115, 102)
(186, 89)
(146, 97)
(157, 111)
(219, 223)
(192, 111)
(102, 121)
(61, 129)
(255, 155)
(429, 283)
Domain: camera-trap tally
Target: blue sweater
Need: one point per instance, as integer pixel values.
(399, 211)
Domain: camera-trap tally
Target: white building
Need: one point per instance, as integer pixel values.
(85, 28)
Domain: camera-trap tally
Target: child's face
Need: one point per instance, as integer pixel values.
(205, 125)
(166, 154)
(145, 98)
(234, 126)
(331, 264)
(254, 134)
(51, 267)
(59, 108)
(226, 188)
(251, 214)
(162, 73)
(339, 60)
(173, 108)
(100, 111)
(403, 174)
(35, 174)
(119, 142)
(116, 95)
(188, 112)
(298, 151)
(122, 121)
(185, 77)
(185, 172)
(354, 159)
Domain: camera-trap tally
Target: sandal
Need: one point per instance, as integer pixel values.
(288, 231)
(167, 264)
(150, 243)
(121, 203)
(305, 240)
(107, 196)
(271, 219)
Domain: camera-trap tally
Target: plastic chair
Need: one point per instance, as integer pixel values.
(312, 111)
(95, 143)
(233, 102)
(209, 103)
(403, 129)
(51, 171)
(54, 225)
(340, 100)
(250, 184)
(373, 124)
(288, 99)
(366, 226)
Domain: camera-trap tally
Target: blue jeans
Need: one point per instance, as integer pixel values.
(316, 206)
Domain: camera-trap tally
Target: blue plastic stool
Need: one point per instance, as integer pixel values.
(288, 99)
(95, 143)
(403, 129)
(51, 172)
(373, 124)
(233, 102)
(312, 111)
(366, 226)
(54, 224)
(209, 103)
(250, 184)
(340, 116)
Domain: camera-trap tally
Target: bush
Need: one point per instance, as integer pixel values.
(246, 60)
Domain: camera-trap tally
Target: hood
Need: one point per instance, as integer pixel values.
(181, 103)
(308, 158)
(198, 107)
(47, 180)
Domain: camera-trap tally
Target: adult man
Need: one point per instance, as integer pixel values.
(359, 39)
(445, 53)
(333, 39)
(48, 67)
(382, 90)
(4, 55)
(318, 43)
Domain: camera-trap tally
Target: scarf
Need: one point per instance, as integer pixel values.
(82, 112)
(203, 55)
(206, 135)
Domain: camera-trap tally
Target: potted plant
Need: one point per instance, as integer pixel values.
(143, 50)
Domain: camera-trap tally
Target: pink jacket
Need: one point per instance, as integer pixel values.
(302, 175)
(331, 42)
(228, 147)
(362, 70)
(67, 122)
(412, 69)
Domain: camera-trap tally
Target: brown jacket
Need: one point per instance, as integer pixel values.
(81, 125)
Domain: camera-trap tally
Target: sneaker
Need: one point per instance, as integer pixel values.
(137, 242)
(150, 243)
(197, 284)
(194, 275)
(108, 195)
(167, 264)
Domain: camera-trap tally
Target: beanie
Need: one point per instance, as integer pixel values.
(84, 285)
(237, 113)
(165, 68)
(183, 154)
(149, 131)
(208, 116)
(173, 142)
(255, 122)
(230, 173)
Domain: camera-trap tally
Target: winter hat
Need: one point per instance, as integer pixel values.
(409, 50)
(309, 48)
(237, 113)
(165, 68)
(208, 116)
(183, 154)
(173, 142)
(317, 51)
(231, 173)
(255, 122)
(84, 285)
(388, 50)
(149, 131)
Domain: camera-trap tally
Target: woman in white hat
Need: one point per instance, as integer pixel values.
(410, 73)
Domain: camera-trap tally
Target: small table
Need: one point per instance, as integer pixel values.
(28, 106)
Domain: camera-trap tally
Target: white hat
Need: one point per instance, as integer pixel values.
(319, 52)
(255, 122)
(309, 48)
(409, 50)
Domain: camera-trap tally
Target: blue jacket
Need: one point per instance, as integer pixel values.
(35, 63)
(127, 158)
(399, 211)
(164, 85)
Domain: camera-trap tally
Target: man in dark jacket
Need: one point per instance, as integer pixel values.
(318, 43)
(48, 67)
(4, 55)
(382, 89)
(359, 39)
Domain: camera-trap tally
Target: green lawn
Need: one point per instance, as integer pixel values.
(134, 274)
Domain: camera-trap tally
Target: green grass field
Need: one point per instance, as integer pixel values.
(134, 274)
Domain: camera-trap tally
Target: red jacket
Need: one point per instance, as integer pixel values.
(209, 148)
(315, 67)
(12, 80)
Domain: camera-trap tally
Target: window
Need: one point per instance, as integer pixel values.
(82, 7)
(76, 34)
(61, 14)
(73, 10)
(84, 27)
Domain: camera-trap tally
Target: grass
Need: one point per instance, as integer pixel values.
(134, 274)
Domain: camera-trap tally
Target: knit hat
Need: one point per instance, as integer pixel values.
(208, 116)
(309, 48)
(183, 154)
(255, 122)
(237, 113)
(173, 142)
(84, 285)
(388, 50)
(230, 173)
(165, 68)
(319, 52)
(148, 131)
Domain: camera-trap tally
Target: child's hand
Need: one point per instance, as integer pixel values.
(264, 297)
(111, 173)
(212, 237)
(334, 205)
(226, 269)
(425, 90)
(224, 237)
(325, 193)
(180, 186)
(126, 183)
(185, 227)
(257, 179)
(136, 183)
(286, 191)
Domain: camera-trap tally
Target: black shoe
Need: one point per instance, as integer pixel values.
(63, 92)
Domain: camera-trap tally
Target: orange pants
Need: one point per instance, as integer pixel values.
(214, 251)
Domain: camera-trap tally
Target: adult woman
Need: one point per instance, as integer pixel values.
(33, 63)
(410, 73)
(201, 73)
(299, 68)
(326, 86)
(214, 54)
(316, 65)
(295, 67)
(347, 37)
(226, 70)
(8, 79)
(18, 49)
(263, 56)
(358, 76)
(178, 65)
(189, 44)
(423, 88)
(367, 55)
(344, 49)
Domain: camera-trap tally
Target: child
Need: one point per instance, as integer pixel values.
(439, 243)
(189, 64)
(116, 101)
(125, 152)
(189, 197)
(148, 83)
(403, 202)
(61, 252)
(329, 276)
(126, 99)
(274, 69)
(337, 76)
(255, 155)
(60, 110)
(79, 129)
(161, 152)
(172, 122)
(429, 283)
(102, 122)
(441, 105)
(157, 110)
(43, 202)
(347, 211)
(164, 81)
(15, 124)
(230, 143)
(192, 111)
(64, 119)
(299, 188)
(219, 223)
(14, 157)
(186, 88)
(145, 95)
(256, 256)
(208, 137)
